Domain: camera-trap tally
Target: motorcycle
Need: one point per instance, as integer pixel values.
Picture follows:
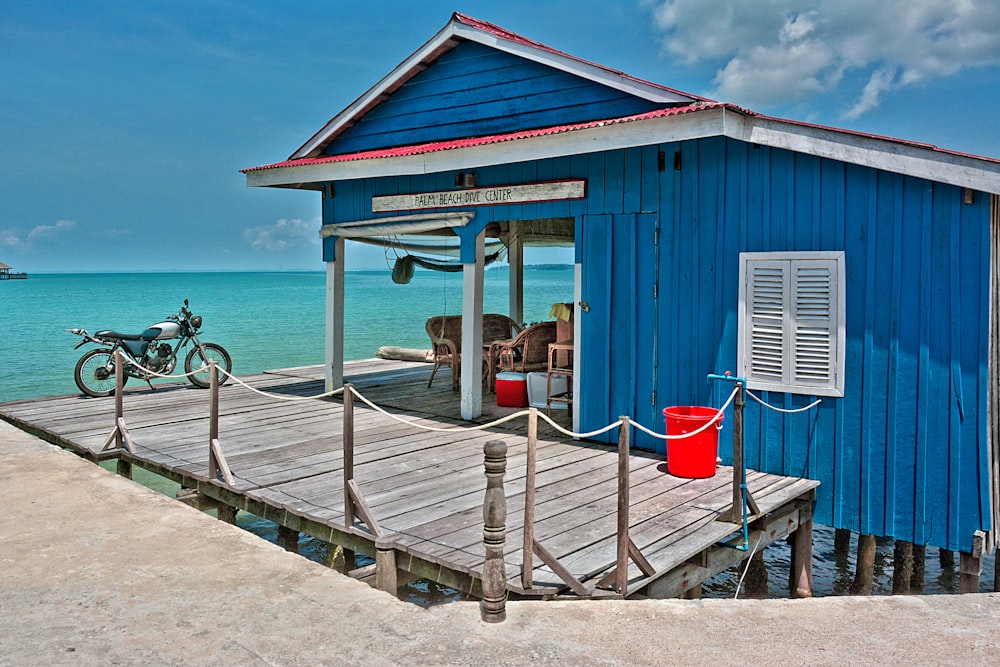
(148, 354)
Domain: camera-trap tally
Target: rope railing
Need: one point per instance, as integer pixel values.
(356, 506)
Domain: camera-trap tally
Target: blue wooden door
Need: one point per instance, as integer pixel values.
(618, 326)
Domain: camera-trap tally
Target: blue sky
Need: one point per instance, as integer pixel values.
(123, 125)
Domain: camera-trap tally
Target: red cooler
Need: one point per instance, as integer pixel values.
(512, 390)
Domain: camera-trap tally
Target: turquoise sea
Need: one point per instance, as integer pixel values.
(275, 320)
(264, 320)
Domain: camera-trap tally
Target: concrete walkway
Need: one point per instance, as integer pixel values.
(97, 570)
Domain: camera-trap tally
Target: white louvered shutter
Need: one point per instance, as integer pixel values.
(791, 334)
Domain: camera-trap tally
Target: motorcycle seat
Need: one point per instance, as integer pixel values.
(119, 336)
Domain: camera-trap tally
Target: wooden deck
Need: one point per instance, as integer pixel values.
(424, 488)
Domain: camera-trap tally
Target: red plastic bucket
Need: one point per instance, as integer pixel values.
(693, 457)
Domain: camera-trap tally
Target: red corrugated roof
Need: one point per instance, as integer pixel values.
(435, 146)
(509, 36)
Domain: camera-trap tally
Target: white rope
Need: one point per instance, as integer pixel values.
(572, 434)
(739, 584)
(279, 397)
(205, 369)
(711, 422)
(479, 427)
(768, 405)
(161, 375)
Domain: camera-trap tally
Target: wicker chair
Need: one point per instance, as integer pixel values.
(445, 332)
(528, 351)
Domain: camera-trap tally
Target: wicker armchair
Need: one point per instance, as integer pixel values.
(445, 332)
(528, 351)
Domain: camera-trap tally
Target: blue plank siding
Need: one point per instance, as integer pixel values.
(903, 453)
(474, 90)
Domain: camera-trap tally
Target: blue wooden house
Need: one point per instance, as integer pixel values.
(814, 261)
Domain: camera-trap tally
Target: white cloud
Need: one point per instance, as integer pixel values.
(49, 231)
(778, 52)
(13, 238)
(283, 235)
(9, 238)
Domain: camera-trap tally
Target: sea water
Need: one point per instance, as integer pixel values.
(276, 320)
(264, 320)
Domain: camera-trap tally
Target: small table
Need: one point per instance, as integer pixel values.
(564, 369)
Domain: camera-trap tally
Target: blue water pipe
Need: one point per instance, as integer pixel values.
(743, 464)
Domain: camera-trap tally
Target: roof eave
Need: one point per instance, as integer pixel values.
(917, 160)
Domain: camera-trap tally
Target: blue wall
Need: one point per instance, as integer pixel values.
(474, 90)
(904, 452)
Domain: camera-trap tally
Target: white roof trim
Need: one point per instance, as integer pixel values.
(916, 160)
(398, 225)
(455, 28)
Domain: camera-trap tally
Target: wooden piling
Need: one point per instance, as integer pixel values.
(754, 576)
(919, 568)
(289, 539)
(386, 572)
(970, 565)
(864, 572)
(227, 513)
(902, 567)
(800, 568)
(493, 606)
(841, 543)
(946, 559)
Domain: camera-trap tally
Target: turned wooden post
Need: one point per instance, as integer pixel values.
(493, 606)
(528, 550)
(348, 455)
(865, 568)
(621, 572)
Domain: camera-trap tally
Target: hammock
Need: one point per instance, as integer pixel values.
(402, 269)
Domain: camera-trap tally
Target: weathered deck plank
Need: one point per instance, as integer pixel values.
(425, 488)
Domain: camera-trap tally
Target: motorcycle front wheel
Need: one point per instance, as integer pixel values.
(95, 373)
(196, 365)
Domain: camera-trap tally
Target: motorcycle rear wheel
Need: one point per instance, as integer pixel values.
(95, 373)
(196, 365)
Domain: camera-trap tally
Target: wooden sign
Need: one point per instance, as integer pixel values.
(492, 196)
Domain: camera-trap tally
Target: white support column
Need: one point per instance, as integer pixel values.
(515, 258)
(577, 321)
(472, 333)
(335, 319)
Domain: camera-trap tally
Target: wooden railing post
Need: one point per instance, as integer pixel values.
(529, 501)
(124, 468)
(119, 398)
(622, 560)
(348, 455)
(493, 606)
(217, 466)
(738, 404)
